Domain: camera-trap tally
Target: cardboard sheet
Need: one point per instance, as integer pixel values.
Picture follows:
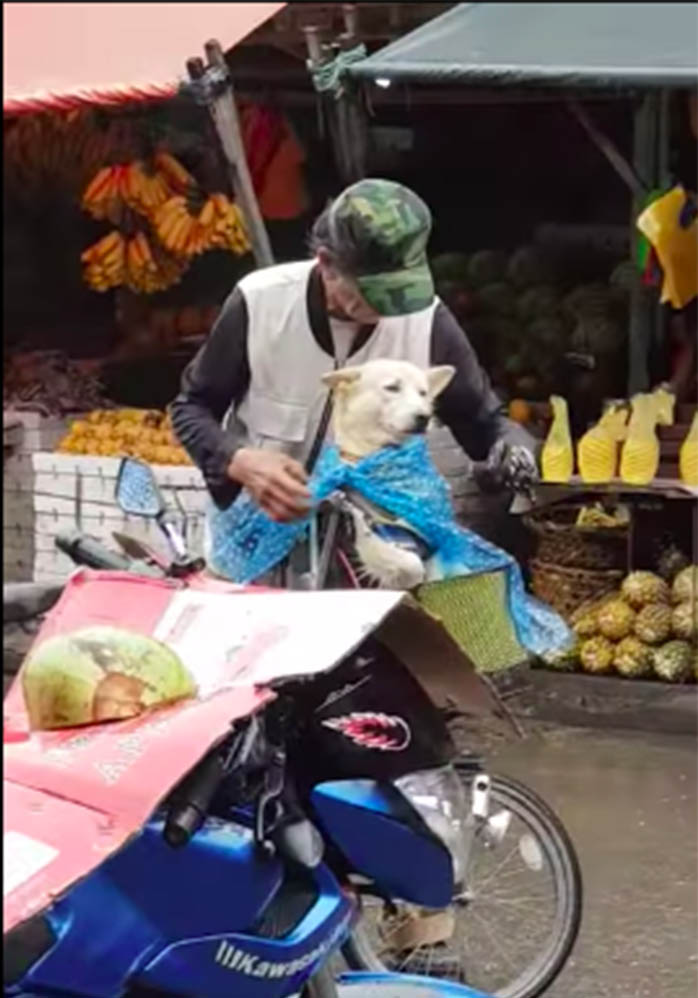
(73, 797)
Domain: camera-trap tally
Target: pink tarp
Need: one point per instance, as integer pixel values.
(66, 54)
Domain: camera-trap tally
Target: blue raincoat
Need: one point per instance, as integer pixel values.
(245, 543)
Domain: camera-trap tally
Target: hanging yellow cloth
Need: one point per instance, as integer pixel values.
(671, 227)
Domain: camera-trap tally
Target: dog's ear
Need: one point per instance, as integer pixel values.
(344, 377)
(438, 378)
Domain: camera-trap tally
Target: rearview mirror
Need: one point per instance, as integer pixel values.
(137, 491)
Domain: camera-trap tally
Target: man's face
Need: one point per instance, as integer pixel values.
(344, 300)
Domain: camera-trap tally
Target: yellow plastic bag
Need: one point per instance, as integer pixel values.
(675, 244)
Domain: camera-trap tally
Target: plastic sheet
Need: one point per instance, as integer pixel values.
(244, 543)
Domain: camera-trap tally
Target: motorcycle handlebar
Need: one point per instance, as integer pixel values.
(188, 812)
(90, 552)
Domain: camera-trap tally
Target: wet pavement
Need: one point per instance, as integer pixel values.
(628, 800)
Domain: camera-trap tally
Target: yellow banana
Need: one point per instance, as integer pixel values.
(208, 213)
(97, 186)
(221, 204)
(134, 255)
(174, 170)
(109, 241)
(178, 234)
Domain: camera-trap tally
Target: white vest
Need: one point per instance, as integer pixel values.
(286, 397)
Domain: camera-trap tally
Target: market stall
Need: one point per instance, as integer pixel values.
(569, 321)
(120, 254)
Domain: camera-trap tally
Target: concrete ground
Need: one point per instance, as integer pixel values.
(628, 800)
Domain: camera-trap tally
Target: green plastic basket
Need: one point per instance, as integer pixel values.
(474, 611)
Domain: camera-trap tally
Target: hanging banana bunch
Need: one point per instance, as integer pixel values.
(130, 261)
(105, 262)
(185, 223)
(188, 226)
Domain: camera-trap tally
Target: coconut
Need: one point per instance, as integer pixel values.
(99, 674)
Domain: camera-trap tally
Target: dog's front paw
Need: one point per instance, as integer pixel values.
(409, 574)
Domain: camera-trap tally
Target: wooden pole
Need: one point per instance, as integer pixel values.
(608, 148)
(642, 315)
(225, 117)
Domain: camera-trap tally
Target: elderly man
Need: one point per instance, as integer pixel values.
(252, 411)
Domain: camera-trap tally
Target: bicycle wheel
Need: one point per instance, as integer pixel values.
(512, 929)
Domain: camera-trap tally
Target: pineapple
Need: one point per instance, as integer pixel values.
(596, 655)
(664, 403)
(642, 588)
(597, 451)
(684, 620)
(557, 457)
(670, 562)
(587, 626)
(615, 620)
(688, 455)
(640, 455)
(673, 662)
(632, 658)
(685, 587)
(653, 623)
(565, 660)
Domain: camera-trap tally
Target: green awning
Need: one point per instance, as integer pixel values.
(576, 45)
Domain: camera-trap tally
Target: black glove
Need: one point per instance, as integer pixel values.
(508, 467)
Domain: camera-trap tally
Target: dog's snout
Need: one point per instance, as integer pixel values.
(420, 424)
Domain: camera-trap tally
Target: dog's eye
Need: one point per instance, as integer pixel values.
(423, 392)
(394, 386)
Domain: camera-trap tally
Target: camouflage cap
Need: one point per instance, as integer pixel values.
(387, 226)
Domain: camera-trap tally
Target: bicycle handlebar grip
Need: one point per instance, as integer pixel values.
(90, 552)
(188, 813)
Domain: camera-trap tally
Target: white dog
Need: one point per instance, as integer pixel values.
(380, 403)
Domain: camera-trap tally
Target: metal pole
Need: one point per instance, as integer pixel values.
(225, 116)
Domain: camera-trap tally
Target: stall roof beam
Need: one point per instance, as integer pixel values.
(606, 45)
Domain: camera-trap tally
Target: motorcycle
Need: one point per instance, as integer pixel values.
(388, 835)
(247, 878)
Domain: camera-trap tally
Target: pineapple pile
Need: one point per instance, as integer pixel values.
(648, 629)
(143, 433)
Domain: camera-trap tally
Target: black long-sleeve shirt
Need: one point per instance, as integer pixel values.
(219, 377)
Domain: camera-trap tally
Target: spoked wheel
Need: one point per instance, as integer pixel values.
(512, 928)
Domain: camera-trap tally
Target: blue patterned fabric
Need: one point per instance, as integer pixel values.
(245, 543)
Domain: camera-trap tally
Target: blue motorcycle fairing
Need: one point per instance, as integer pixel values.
(371, 824)
(241, 963)
(148, 896)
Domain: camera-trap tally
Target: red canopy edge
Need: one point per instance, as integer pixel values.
(63, 56)
(115, 97)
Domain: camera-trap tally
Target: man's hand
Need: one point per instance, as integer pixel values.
(508, 466)
(276, 481)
